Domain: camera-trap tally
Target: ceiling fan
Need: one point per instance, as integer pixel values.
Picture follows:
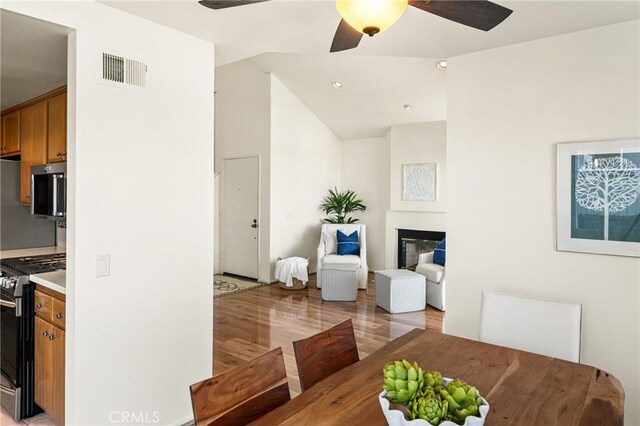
(370, 17)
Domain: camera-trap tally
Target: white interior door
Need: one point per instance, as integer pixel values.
(240, 216)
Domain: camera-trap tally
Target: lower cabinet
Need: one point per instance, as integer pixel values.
(49, 360)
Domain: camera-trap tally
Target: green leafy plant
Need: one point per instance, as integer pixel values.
(421, 394)
(340, 204)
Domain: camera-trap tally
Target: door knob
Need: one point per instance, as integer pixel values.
(255, 223)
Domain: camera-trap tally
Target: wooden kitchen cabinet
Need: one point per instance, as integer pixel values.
(36, 130)
(10, 143)
(57, 129)
(33, 144)
(49, 355)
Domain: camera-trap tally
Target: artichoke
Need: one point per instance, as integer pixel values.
(433, 379)
(402, 381)
(463, 400)
(428, 408)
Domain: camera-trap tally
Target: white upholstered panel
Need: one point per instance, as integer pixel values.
(534, 325)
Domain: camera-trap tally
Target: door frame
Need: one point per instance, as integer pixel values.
(222, 207)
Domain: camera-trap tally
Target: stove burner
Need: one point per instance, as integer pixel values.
(36, 264)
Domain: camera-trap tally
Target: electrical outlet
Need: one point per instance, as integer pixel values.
(103, 267)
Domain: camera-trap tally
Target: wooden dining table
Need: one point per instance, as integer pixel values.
(521, 388)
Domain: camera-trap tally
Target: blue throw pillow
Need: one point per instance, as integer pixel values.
(348, 244)
(440, 252)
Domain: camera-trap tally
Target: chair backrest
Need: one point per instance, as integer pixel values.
(325, 353)
(242, 394)
(347, 228)
(534, 325)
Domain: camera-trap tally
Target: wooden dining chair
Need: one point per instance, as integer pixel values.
(325, 353)
(242, 394)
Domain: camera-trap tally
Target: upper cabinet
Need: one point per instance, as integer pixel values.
(10, 143)
(35, 130)
(33, 144)
(57, 131)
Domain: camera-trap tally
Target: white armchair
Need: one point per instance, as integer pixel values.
(436, 279)
(328, 247)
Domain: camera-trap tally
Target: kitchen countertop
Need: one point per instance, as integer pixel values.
(56, 280)
(6, 254)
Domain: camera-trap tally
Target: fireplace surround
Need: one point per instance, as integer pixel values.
(412, 243)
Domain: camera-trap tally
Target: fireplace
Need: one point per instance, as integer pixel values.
(412, 243)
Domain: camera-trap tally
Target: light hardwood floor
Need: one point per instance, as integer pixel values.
(249, 324)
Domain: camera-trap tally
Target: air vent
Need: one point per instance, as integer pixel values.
(122, 71)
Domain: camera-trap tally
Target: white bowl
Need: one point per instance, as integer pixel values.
(396, 417)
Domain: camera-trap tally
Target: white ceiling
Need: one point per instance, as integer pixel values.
(291, 39)
(33, 57)
(308, 26)
(374, 91)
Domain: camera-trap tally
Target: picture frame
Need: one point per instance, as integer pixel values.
(598, 197)
(420, 182)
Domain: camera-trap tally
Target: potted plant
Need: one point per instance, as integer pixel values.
(340, 204)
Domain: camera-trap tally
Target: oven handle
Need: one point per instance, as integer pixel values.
(7, 390)
(7, 304)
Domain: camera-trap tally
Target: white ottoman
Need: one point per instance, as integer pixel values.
(339, 282)
(399, 290)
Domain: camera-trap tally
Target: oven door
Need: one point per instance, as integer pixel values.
(10, 332)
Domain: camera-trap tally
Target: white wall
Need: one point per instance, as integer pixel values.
(140, 189)
(411, 144)
(365, 169)
(243, 95)
(507, 110)
(305, 163)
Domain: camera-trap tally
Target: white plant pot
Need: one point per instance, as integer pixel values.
(396, 417)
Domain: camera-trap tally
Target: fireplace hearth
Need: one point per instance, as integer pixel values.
(412, 243)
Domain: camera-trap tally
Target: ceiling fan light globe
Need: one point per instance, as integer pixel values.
(366, 14)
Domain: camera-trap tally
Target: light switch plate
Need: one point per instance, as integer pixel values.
(103, 267)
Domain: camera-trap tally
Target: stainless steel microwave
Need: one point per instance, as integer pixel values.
(49, 191)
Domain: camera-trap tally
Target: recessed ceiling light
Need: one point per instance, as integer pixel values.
(442, 64)
(406, 106)
(336, 85)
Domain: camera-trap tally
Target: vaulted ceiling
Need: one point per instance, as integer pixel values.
(291, 39)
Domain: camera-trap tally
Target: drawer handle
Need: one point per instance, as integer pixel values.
(39, 306)
(52, 336)
(44, 333)
(59, 315)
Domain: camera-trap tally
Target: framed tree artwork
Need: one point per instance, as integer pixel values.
(598, 196)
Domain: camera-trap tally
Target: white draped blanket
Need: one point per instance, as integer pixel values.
(292, 267)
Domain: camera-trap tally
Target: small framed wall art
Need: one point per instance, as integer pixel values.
(598, 197)
(420, 182)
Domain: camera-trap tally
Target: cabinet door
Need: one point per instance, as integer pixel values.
(10, 144)
(33, 143)
(57, 129)
(43, 365)
(57, 346)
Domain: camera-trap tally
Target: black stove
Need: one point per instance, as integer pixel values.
(17, 329)
(29, 265)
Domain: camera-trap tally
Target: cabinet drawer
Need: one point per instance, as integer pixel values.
(58, 313)
(43, 305)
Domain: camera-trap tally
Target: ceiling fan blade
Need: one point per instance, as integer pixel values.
(346, 37)
(481, 14)
(223, 4)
